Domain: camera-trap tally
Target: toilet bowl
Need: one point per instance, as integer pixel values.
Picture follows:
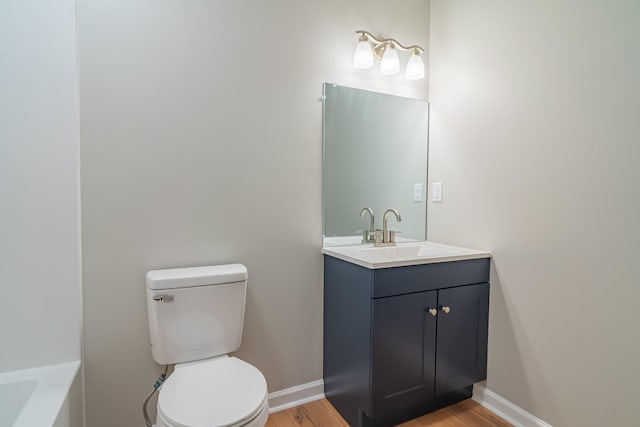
(222, 392)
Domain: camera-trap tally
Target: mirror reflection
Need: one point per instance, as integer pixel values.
(375, 156)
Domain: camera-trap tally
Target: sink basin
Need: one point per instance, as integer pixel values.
(408, 251)
(403, 254)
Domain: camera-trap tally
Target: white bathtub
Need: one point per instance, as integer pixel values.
(36, 396)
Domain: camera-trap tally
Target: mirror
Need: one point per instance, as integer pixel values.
(375, 155)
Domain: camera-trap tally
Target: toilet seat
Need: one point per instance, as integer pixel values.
(222, 392)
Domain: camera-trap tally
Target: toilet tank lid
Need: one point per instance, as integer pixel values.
(196, 276)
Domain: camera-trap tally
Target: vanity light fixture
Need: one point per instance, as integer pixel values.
(363, 57)
(390, 63)
(386, 50)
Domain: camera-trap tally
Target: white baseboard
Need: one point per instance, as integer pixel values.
(505, 409)
(295, 396)
(305, 393)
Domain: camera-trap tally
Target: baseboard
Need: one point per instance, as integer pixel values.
(305, 393)
(295, 396)
(505, 409)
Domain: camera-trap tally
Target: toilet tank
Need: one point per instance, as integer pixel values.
(195, 313)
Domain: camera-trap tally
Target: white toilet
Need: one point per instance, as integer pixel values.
(195, 318)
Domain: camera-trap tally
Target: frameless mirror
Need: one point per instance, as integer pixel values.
(375, 155)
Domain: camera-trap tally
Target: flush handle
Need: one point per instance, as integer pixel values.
(163, 298)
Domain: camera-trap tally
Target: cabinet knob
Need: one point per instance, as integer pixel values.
(446, 309)
(432, 311)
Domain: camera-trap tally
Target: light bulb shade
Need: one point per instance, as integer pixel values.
(363, 56)
(415, 67)
(390, 63)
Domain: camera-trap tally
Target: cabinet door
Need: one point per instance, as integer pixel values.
(461, 353)
(403, 350)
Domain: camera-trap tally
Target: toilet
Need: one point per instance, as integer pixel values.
(196, 317)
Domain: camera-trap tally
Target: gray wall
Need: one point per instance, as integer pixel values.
(40, 318)
(535, 135)
(201, 144)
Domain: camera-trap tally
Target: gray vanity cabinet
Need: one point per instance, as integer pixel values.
(387, 357)
(461, 349)
(403, 359)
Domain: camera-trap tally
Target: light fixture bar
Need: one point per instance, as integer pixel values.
(386, 51)
(377, 42)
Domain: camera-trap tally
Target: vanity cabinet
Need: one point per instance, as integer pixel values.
(403, 341)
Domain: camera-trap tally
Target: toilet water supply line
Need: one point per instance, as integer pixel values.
(156, 386)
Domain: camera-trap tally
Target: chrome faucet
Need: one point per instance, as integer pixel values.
(366, 234)
(389, 237)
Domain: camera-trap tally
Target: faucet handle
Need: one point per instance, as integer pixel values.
(392, 235)
(365, 235)
(376, 237)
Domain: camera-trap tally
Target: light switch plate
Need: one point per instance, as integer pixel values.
(436, 195)
(417, 192)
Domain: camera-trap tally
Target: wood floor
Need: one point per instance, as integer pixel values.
(320, 413)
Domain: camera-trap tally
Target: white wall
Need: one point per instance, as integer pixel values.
(40, 319)
(201, 144)
(535, 135)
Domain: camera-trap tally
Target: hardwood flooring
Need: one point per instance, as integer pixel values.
(320, 413)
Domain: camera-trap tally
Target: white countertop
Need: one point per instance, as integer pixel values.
(356, 241)
(403, 254)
